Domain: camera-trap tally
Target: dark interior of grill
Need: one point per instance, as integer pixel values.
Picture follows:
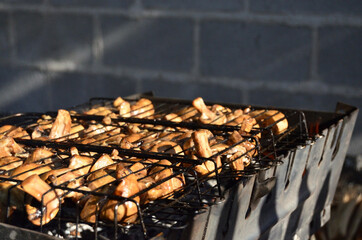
(173, 210)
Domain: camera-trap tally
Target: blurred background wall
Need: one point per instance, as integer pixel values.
(299, 54)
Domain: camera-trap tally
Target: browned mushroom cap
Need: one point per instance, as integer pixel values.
(245, 121)
(188, 113)
(167, 147)
(60, 176)
(61, 125)
(99, 179)
(142, 109)
(38, 132)
(8, 147)
(218, 147)
(40, 190)
(270, 117)
(10, 162)
(250, 147)
(101, 111)
(153, 193)
(81, 163)
(126, 212)
(75, 130)
(200, 138)
(235, 137)
(173, 117)
(40, 155)
(206, 113)
(90, 209)
(170, 186)
(188, 146)
(237, 158)
(123, 106)
(170, 135)
(104, 161)
(74, 151)
(138, 168)
(14, 132)
(66, 176)
(26, 170)
(131, 141)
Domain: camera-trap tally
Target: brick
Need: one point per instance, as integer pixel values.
(307, 7)
(53, 37)
(23, 90)
(186, 90)
(155, 44)
(71, 89)
(341, 55)
(255, 51)
(4, 42)
(92, 3)
(203, 5)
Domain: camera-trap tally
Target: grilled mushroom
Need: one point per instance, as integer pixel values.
(142, 109)
(42, 192)
(62, 125)
(123, 212)
(24, 171)
(8, 147)
(203, 150)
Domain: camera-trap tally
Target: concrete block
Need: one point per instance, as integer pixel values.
(340, 55)
(60, 38)
(255, 51)
(155, 44)
(307, 7)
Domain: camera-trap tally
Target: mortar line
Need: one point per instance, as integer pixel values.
(314, 55)
(236, 83)
(246, 6)
(196, 49)
(12, 37)
(290, 20)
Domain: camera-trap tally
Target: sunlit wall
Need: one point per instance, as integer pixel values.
(299, 54)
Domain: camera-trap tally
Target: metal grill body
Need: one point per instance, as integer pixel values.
(300, 200)
(288, 185)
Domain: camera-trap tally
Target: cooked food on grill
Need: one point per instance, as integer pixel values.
(8, 147)
(161, 173)
(107, 166)
(62, 125)
(127, 211)
(14, 132)
(142, 109)
(81, 164)
(26, 170)
(123, 106)
(8, 163)
(42, 192)
(202, 149)
(40, 155)
(272, 118)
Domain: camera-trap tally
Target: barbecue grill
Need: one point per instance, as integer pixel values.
(284, 192)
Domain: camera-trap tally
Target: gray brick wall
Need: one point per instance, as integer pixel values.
(298, 54)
